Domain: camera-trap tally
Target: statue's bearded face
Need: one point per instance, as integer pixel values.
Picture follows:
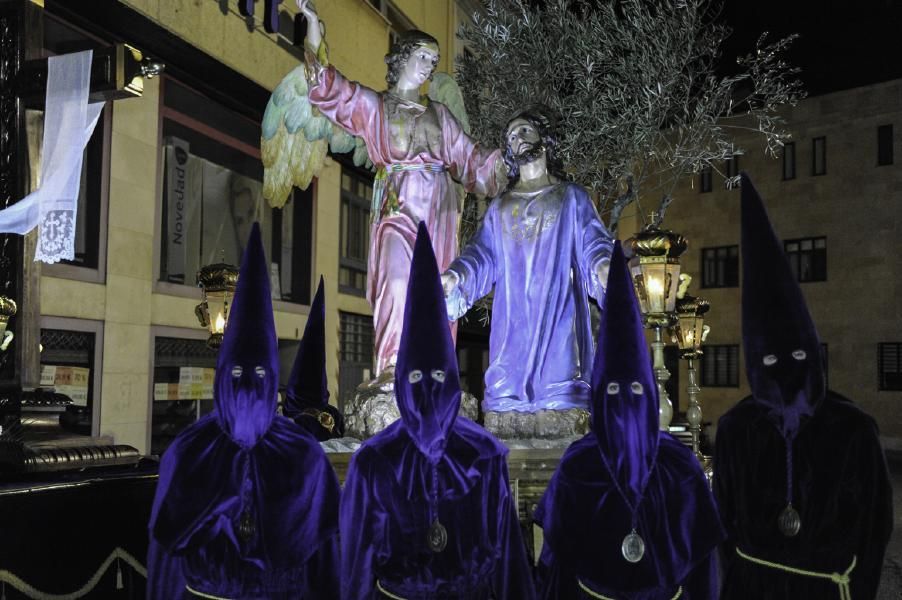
(419, 65)
(523, 141)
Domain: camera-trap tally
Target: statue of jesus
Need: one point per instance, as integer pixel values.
(544, 249)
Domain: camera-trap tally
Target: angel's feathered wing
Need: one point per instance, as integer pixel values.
(445, 90)
(295, 139)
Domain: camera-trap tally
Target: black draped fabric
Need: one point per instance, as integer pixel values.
(307, 395)
(841, 490)
(793, 453)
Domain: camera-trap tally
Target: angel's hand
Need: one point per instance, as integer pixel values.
(308, 10)
(314, 30)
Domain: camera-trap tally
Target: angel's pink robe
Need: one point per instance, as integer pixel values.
(416, 135)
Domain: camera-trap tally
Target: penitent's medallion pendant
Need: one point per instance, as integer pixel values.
(633, 547)
(246, 529)
(437, 538)
(789, 522)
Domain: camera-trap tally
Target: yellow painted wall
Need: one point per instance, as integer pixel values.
(130, 302)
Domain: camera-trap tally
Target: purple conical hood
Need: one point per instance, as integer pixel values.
(427, 384)
(308, 386)
(624, 392)
(782, 350)
(247, 368)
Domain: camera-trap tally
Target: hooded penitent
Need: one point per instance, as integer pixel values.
(307, 395)
(628, 511)
(798, 470)
(427, 383)
(426, 511)
(783, 360)
(782, 350)
(246, 502)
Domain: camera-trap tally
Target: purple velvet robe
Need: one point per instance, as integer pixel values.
(246, 504)
(585, 522)
(541, 254)
(627, 476)
(206, 482)
(430, 466)
(385, 519)
(435, 138)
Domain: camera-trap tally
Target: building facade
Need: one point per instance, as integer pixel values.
(172, 182)
(835, 197)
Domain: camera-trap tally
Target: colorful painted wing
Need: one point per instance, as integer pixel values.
(445, 90)
(295, 139)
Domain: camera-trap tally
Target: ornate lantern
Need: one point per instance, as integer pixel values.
(218, 282)
(655, 266)
(688, 332)
(654, 261)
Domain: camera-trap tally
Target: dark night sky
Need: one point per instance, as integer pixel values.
(843, 43)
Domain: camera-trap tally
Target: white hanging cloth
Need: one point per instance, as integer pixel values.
(69, 122)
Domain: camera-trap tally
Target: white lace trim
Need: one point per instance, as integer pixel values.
(69, 122)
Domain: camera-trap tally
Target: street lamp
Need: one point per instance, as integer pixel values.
(218, 282)
(688, 332)
(654, 261)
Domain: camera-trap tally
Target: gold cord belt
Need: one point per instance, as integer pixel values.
(595, 594)
(380, 182)
(841, 580)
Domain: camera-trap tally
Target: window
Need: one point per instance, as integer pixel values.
(731, 171)
(183, 371)
(807, 258)
(720, 267)
(70, 361)
(397, 21)
(356, 191)
(884, 145)
(704, 180)
(789, 161)
(355, 353)
(819, 156)
(720, 366)
(889, 366)
(213, 192)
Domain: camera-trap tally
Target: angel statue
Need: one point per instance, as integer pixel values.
(418, 144)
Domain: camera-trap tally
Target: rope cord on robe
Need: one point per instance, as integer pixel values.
(32, 592)
(386, 593)
(380, 183)
(595, 594)
(204, 595)
(842, 580)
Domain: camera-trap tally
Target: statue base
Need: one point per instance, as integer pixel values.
(543, 424)
(373, 409)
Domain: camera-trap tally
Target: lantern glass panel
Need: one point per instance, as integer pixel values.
(672, 280)
(218, 305)
(653, 285)
(689, 331)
